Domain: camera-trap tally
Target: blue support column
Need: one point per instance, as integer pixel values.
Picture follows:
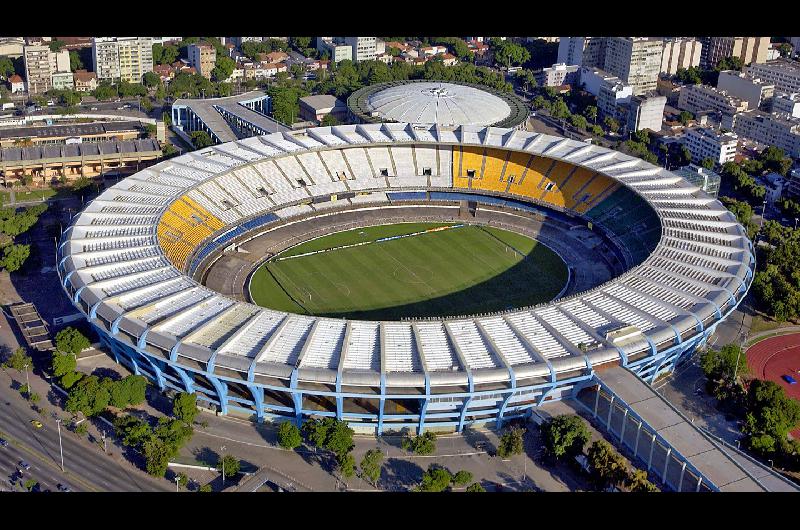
(507, 399)
(188, 384)
(258, 398)
(222, 393)
(339, 398)
(142, 339)
(157, 371)
(424, 408)
(297, 398)
(381, 403)
(467, 401)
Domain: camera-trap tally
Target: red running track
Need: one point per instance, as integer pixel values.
(775, 357)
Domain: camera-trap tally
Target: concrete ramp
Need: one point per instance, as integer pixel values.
(685, 457)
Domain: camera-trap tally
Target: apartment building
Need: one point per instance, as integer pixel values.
(202, 57)
(785, 75)
(363, 48)
(778, 130)
(680, 52)
(122, 58)
(583, 51)
(336, 52)
(700, 98)
(748, 49)
(610, 91)
(62, 80)
(705, 143)
(786, 104)
(751, 89)
(646, 112)
(557, 75)
(635, 60)
(40, 64)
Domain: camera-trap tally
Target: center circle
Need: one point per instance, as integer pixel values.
(407, 270)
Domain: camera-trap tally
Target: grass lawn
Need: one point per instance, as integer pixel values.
(33, 195)
(459, 271)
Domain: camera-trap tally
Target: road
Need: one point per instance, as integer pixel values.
(87, 467)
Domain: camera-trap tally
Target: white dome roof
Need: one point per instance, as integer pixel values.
(443, 103)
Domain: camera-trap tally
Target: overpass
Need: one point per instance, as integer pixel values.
(683, 456)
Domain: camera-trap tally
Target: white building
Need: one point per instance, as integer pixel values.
(336, 52)
(62, 80)
(635, 60)
(558, 74)
(786, 104)
(700, 98)
(748, 49)
(646, 112)
(780, 131)
(680, 52)
(705, 143)
(40, 64)
(753, 90)
(610, 91)
(583, 51)
(363, 48)
(125, 58)
(785, 75)
(17, 84)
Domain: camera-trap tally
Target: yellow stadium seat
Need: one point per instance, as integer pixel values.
(598, 189)
(572, 186)
(528, 186)
(492, 178)
(458, 180)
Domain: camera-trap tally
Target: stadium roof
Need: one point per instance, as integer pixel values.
(119, 274)
(438, 102)
(428, 102)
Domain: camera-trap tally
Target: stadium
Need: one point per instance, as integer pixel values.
(602, 259)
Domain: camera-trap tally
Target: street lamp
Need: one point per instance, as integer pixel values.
(103, 436)
(223, 466)
(27, 381)
(177, 480)
(60, 447)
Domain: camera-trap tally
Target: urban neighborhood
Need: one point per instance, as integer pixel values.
(400, 264)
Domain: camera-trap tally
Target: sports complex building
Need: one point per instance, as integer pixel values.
(160, 265)
(449, 104)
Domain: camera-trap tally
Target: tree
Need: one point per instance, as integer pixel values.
(6, 67)
(435, 479)
(346, 464)
(105, 91)
(424, 444)
(182, 479)
(637, 482)
(511, 442)
(62, 363)
(611, 124)
(157, 455)
(132, 431)
(708, 163)
(771, 415)
(81, 428)
(223, 68)
(564, 435)
(184, 407)
(18, 360)
(75, 62)
(70, 378)
(775, 159)
(14, 257)
(476, 488)
(559, 109)
(371, 465)
(685, 117)
(578, 121)
(205, 488)
(289, 435)
(539, 102)
(201, 139)
(509, 53)
(231, 465)
(722, 363)
(30, 484)
(329, 120)
(462, 478)
(90, 395)
(70, 340)
(151, 79)
(329, 433)
(590, 113)
(608, 467)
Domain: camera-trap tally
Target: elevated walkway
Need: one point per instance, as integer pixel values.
(683, 456)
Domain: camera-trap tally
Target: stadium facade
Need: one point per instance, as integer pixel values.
(131, 260)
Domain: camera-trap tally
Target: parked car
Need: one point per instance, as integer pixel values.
(3, 443)
(24, 465)
(789, 379)
(36, 423)
(63, 488)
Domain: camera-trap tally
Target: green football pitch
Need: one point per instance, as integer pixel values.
(459, 270)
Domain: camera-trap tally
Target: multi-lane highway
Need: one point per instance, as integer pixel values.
(87, 467)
